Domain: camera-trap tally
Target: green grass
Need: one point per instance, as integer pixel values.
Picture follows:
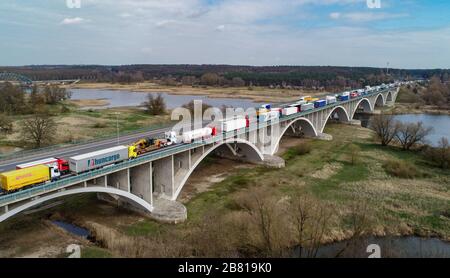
(95, 252)
(143, 228)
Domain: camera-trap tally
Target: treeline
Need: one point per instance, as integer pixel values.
(15, 100)
(436, 92)
(229, 75)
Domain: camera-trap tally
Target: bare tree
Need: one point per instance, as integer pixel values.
(155, 105)
(385, 126)
(39, 129)
(6, 125)
(410, 134)
(210, 79)
(441, 154)
(54, 94)
(310, 221)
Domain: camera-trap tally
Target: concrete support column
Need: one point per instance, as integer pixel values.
(182, 165)
(141, 182)
(120, 180)
(163, 178)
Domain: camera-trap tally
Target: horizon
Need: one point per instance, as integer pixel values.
(411, 34)
(230, 65)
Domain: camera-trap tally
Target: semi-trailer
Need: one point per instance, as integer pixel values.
(320, 103)
(268, 116)
(229, 125)
(197, 134)
(287, 111)
(18, 179)
(330, 99)
(306, 107)
(94, 160)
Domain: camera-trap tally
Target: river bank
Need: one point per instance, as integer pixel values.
(256, 94)
(220, 215)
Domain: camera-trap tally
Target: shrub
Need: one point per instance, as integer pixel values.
(299, 150)
(99, 125)
(401, 169)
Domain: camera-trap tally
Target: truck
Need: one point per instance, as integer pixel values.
(287, 111)
(149, 144)
(228, 125)
(191, 136)
(306, 107)
(94, 160)
(331, 99)
(61, 164)
(268, 116)
(320, 103)
(19, 179)
(343, 97)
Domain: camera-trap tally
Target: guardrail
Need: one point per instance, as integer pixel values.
(29, 193)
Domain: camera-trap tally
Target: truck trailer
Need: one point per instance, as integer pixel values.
(61, 164)
(94, 160)
(18, 179)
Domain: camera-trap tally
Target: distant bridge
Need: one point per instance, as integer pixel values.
(149, 182)
(24, 80)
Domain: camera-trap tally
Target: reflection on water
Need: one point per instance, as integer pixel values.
(73, 229)
(127, 98)
(439, 123)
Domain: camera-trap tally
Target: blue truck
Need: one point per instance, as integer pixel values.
(320, 103)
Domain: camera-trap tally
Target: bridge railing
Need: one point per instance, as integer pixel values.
(31, 192)
(25, 153)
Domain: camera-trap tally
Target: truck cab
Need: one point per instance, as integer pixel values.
(55, 174)
(171, 137)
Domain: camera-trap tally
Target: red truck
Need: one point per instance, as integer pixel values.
(57, 163)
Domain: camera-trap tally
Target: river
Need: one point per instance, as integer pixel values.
(118, 98)
(439, 123)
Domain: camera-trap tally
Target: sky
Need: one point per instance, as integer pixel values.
(403, 33)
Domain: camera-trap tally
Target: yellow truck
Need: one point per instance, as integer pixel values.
(17, 179)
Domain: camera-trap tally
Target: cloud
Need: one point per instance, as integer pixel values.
(220, 28)
(335, 15)
(71, 21)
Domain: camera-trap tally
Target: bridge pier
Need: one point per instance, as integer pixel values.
(141, 182)
(164, 177)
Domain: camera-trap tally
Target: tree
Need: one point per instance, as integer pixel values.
(36, 98)
(238, 82)
(54, 94)
(155, 105)
(385, 126)
(441, 154)
(310, 221)
(39, 129)
(6, 125)
(210, 79)
(12, 99)
(410, 134)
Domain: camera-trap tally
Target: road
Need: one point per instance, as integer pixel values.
(72, 150)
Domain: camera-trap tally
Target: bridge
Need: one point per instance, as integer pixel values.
(152, 183)
(26, 81)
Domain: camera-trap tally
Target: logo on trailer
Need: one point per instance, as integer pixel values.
(96, 162)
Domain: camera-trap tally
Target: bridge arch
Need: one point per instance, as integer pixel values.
(365, 105)
(250, 150)
(305, 125)
(389, 97)
(131, 197)
(379, 101)
(342, 115)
